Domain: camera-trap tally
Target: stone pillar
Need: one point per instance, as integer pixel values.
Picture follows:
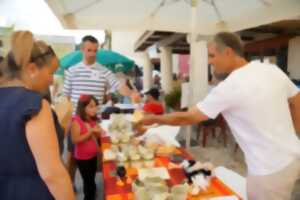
(147, 72)
(166, 69)
(198, 71)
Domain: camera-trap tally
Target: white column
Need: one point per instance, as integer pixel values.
(192, 59)
(198, 71)
(166, 69)
(147, 72)
(198, 77)
(175, 62)
(294, 58)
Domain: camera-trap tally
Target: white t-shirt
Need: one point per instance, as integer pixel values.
(254, 102)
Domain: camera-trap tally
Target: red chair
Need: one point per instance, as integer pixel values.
(210, 126)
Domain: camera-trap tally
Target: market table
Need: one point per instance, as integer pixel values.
(114, 191)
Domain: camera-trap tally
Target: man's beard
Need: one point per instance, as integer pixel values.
(91, 60)
(220, 76)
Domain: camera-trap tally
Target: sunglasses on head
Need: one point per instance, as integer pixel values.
(49, 52)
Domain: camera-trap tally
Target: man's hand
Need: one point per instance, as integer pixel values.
(140, 128)
(135, 97)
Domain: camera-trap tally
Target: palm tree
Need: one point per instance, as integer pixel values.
(107, 41)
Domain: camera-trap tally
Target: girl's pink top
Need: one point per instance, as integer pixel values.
(87, 149)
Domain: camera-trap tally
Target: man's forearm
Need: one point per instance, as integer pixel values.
(124, 90)
(192, 116)
(176, 119)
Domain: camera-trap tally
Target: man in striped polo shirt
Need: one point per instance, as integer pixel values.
(90, 78)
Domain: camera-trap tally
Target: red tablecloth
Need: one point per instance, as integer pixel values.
(113, 191)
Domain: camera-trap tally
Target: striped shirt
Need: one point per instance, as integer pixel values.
(89, 80)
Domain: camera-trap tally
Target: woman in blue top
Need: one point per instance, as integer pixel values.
(31, 167)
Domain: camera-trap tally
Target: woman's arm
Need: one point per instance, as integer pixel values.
(75, 133)
(41, 137)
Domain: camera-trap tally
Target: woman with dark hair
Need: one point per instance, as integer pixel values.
(85, 131)
(31, 167)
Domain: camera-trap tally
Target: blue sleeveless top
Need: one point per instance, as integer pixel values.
(19, 177)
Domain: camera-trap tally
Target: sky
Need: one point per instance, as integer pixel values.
(36, 16)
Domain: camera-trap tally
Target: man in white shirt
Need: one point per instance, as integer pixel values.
(260, 104)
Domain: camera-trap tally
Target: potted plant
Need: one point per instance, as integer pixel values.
(173, 99)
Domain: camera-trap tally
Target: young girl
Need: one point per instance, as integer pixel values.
(85, 132)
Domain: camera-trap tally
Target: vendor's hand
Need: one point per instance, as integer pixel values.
(148, 119)
(135, 97)
(139, 129)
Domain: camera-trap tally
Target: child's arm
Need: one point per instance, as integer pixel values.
(98, 131)
(75, 133)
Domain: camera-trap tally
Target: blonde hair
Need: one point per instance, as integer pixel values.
(21, 47)
(24, 50)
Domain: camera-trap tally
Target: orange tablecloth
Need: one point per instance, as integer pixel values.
(112, 191)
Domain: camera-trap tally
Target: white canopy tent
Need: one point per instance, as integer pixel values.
(204, 17)
(172, 15)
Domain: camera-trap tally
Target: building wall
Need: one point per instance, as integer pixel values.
(184, 64)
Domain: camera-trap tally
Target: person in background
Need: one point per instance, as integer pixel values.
(110, 107)
(176, 81)
(85, 132)
(31, 167)
(90, 78)
(262, 108)
(60, 132)
(125, 99)
(152, 104)
(156, 79)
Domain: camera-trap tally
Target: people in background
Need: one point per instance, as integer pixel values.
(110, 107)
(85, 133)
(60, 131)
(31, 167)
(156, 79)
(91, 78)
(152, 103)
(176, 81)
